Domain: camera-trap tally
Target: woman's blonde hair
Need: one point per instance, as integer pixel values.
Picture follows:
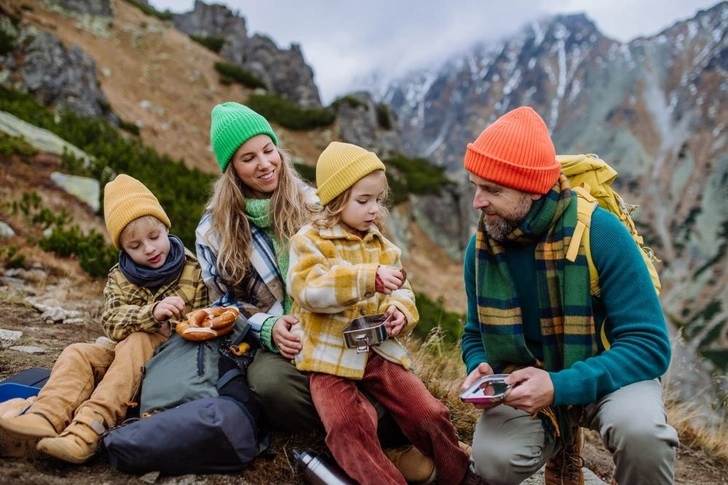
(288, 214)
(330, 214)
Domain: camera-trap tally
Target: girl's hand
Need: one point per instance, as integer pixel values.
(287, 343)
(172, 306)
(396, 323)
(391, 279)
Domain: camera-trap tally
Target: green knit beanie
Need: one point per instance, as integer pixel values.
(232, 125)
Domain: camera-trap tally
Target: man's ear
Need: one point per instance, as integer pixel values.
(535, 197)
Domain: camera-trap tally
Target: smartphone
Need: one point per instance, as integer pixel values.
(487, 389)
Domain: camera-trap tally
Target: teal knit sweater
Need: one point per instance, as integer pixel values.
(628, 307)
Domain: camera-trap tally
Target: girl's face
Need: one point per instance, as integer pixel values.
(146, 241)
(365, 201)
(257, 163)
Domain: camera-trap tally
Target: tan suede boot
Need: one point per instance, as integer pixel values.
(565, 468)
(29, 425)
(416, 467)
(79, 442)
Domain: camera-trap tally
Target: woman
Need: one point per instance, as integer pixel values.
(257, 204)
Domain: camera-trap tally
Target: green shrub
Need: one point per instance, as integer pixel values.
(351, 101)
(433, 314)
(15, 145)
(307, 172)
(94, 255)
(7, 42)
(384, 119)
(129, 127)
(30, 206)
(240, 75)
(290, 115)
(414, 176)
(210, 42)
(151, 11)
(15, 259)
(182, 191)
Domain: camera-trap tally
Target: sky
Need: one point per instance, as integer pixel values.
(344, 41)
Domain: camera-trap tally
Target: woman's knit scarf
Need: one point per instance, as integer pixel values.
(564, 300)
(258, 212)
(154, 278)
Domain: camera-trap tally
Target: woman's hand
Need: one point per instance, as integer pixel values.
(172, 306)
(396, 323)
(287, 343)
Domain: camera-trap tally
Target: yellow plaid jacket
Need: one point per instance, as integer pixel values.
(331, 280)
(128, 307)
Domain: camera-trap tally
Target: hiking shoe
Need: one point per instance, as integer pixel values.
(78, 443)
(565, 468)
(31, 425)
(416, 467)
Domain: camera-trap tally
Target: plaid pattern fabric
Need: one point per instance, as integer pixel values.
(567, 324)
(260, 294)
(331, 281)
(128, 307)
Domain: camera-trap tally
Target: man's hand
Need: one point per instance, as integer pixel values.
(288, 344)
(483, 369)
(531, 390)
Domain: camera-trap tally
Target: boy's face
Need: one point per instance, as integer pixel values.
(146, 241)
(365, 201)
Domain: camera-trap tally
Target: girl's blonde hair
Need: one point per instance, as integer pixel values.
(330, 214)
(288, 214)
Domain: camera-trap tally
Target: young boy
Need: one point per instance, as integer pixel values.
(92, 385)
(341, 268)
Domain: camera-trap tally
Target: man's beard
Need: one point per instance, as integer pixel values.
(504, 224)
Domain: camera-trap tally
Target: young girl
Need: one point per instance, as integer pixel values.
(342, 267)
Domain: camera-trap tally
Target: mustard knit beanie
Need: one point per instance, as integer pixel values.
(515, 151)
(340, 166)
(232, 124)
(126, 199)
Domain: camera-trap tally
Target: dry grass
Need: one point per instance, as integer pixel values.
(694, 431)
(440, 366)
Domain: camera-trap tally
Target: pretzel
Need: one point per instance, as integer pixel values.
(208, 323)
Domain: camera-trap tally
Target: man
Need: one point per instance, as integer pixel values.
(531, 314)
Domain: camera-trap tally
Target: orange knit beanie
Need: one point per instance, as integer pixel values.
(515, 151)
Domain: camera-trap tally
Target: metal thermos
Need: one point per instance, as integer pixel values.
(317, 470)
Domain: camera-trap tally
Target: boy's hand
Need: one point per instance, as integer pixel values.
(396, 323)
(172, 306)
(391, 279)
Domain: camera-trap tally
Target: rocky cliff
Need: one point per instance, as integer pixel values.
(656, 108)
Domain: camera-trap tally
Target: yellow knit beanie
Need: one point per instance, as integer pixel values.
(340, 166)
(126, 199)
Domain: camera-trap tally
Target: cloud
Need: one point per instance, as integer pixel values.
(344, 41)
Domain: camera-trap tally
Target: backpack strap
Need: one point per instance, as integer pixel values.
(585, 206)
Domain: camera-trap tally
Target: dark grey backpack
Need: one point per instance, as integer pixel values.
(204, 417)
(182, 370)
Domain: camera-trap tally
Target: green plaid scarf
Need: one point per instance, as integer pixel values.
(567, 324)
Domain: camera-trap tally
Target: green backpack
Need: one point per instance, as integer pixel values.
(591, 178)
